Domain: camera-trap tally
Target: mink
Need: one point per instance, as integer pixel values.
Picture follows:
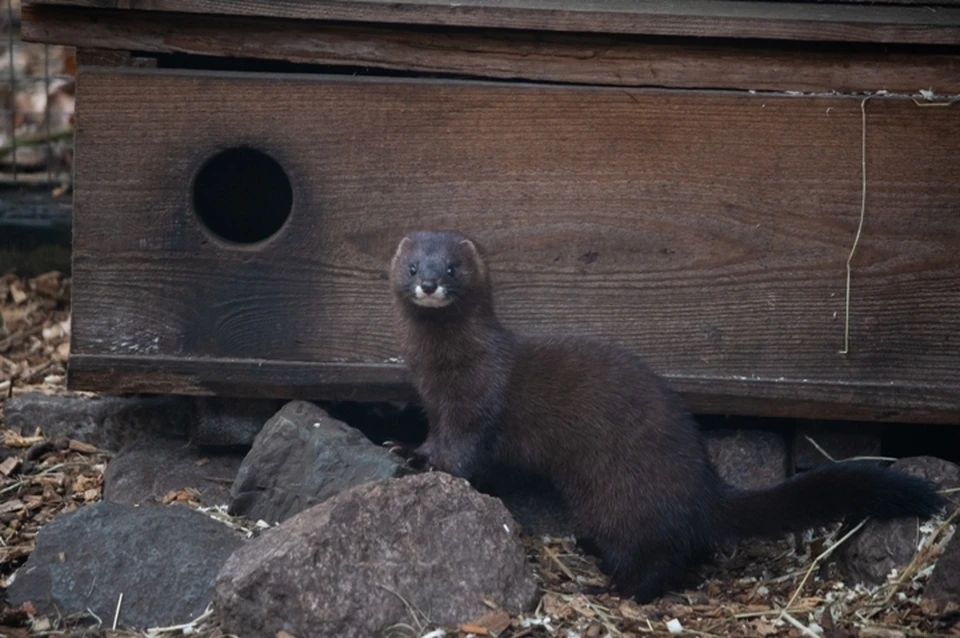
(593, 419)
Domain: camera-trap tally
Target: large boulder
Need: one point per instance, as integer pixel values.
(416, 550)
(107, 422)
(164, 561)
(944, 583)
(748, 459)
(147, 469)
(882, 546)
(302, 457)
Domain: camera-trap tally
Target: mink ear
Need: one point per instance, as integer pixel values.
(475, 255)
(403, 243)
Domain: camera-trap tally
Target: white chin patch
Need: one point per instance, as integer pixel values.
(438, 299)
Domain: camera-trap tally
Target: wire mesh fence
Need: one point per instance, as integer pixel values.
(37, 95)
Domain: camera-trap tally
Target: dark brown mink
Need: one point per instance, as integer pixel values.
(605, 430)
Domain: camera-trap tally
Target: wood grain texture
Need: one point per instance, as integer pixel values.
(844, 22)
(89, 55)
(504, 54)
(389, 382)
(707, 231)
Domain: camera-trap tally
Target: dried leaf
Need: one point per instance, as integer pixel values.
(474, 629)
(495, 621)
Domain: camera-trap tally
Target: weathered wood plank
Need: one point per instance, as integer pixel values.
(91, 53)
(701, 18)
(389, 382)
(504, 54)
(707, 231)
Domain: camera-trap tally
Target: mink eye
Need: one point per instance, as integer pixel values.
(451, 271)
(413, 269)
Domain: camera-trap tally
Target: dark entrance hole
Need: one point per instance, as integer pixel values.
(242, 195)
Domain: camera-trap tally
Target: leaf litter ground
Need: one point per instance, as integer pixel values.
(789, 588)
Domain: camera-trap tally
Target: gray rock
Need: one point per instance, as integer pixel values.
(145, 470)
(229, 422)
(944, 582)
(107, 422)
(164, 560)
(880, 547)
(840, 442)
(302, 457)
(383, 553)
(748, 458)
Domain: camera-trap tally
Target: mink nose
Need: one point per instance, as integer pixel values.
(428, 287)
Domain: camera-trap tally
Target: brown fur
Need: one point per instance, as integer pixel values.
(601, 426)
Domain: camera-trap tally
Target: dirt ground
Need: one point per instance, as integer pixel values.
(787, 588)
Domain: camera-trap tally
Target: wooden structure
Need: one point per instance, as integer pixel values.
(684, 177)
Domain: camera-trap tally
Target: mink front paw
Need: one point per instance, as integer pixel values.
(414, 459)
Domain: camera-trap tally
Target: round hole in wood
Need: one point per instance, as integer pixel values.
(242, 195)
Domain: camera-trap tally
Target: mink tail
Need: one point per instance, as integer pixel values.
(849, 490)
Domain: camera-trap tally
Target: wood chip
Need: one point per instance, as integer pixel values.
(9, 465)
(18, 293)
(84, 448)
(12, 439)
(13, 505)
(42, 624)
(495, 622)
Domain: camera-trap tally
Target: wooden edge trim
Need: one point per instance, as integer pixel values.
(500, 54)
(389, 382)
(700, 18)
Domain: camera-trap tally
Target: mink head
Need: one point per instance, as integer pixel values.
(434, 270)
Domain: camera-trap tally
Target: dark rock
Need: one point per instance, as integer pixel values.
(228, 422)
(302, 457)
(944, 474)
(143, 471)
(880, 547)
(748, 458)
(944, 582)
(106, 422)
(839, 441)
(377, 555)
(164, 561)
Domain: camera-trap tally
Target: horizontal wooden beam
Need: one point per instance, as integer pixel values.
(842, 22)
(386, 382)
(505, 54)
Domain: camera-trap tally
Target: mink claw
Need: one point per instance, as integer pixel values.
(399, 448)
